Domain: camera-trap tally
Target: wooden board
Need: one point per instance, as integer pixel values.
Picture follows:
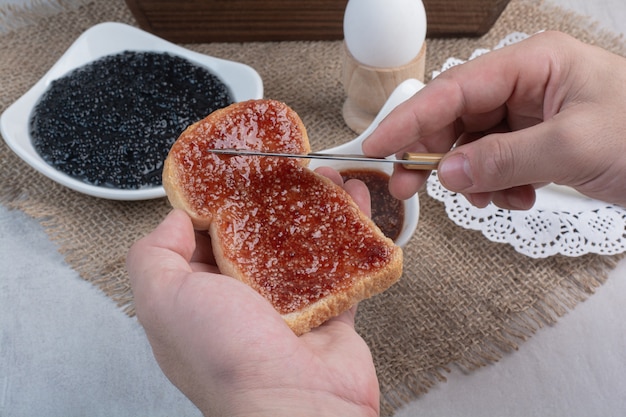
(198, 21)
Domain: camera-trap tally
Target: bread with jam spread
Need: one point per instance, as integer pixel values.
(291, 234)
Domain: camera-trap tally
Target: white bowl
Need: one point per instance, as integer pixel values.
(100, 40)
(411, 206)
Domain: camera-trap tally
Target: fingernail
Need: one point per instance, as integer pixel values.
(454, 173)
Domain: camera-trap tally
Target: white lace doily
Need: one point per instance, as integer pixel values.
(510, 39)
(561, 222)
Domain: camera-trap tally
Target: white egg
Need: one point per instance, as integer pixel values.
(384, 33)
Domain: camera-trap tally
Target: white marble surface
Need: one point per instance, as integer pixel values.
(80, 355)
(65, 348)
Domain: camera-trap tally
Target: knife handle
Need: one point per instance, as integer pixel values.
(429, 161)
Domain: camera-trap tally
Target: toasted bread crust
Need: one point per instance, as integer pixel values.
(331, 306)
(304, 313)
(175, 193)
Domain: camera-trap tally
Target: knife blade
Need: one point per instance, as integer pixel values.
(410, 160)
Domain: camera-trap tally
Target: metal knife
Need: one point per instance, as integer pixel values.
(410, 160)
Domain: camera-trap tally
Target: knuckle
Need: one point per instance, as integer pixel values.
(498, 166)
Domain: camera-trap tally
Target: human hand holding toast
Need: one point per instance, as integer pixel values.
(226, 348)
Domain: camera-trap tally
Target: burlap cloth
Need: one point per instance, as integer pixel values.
(463, 301)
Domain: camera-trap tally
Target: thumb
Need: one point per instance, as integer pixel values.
(503, 161)
(151, 259)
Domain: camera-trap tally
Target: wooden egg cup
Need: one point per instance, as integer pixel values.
(368, 88)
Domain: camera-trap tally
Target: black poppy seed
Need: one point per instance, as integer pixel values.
(112, 122)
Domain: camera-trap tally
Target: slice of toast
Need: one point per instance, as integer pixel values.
(291, 234)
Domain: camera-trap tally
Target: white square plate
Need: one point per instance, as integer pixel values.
(105, 39)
